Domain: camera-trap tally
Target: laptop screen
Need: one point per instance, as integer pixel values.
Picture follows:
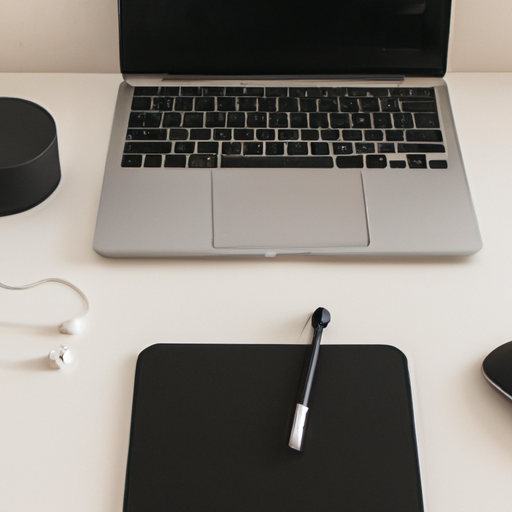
(284, 37)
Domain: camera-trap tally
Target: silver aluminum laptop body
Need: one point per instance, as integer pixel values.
(398, 208)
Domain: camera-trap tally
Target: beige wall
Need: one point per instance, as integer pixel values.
(81, 36)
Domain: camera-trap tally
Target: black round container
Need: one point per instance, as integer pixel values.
(29, 156)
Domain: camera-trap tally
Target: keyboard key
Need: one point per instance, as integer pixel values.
(438, 164)
(244, 134)
(276, 92)
(171, 119)
(163, 103)
(314, 92)
(386, 147)
(231, 148)
(397, 164)
(274, 148)
(131, 161)
(184, 147)
(418, 106)
(267, 104)
(254, 91)
(350, 162)
(297, 92)
(253, 148)
(142, 134)
(352, 134)
(330, 134)
(257, 119)
(318, 120)
(205, 104)
(147, 147)
(193, 119)
(349, 105)
(169, 91)
(328, 105)
(389, 105)
(309, 134)
(208, 147)
(394, 135)
(202, 160)
(145, 91)
(141, 103)
(153, 161)
(417, 161)
(288, 134)
(190, 91)
(175, 161)
(343, 148)
(184, 104)
(265, 134)
(420, 148)
(220, 134)
(319, 148)
(277, 161)
(382, 120)
(278, 120)
(246, 104)
(376, 162)
(426, 121)
(200, 134)
(403, 120)
(215, 119)
(424, 135)
(339, 120)
(236, 119)
(214, 91)
(361, 121)
(367, 91)
(365, 147)
(288, 105)
(234, 91)
(298, 120)
(144, 120)
(297, 148)
(308, 105)
(373, 135)
(403, 92)
(226, 104)
(178, 134)
(369, 104)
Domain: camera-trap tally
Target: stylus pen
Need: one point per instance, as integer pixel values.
(320, 319)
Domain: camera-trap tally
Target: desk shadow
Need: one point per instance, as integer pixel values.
(37, 364)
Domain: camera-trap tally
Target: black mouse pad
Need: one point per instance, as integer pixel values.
(210, 428)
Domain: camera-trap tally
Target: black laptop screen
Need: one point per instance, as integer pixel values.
(284, 37)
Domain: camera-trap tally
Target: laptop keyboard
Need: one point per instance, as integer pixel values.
(344, 127)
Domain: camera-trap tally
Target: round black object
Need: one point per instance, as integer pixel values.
(29, 156)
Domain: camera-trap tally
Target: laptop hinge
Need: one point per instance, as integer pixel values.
(136, 79)
(349, 78)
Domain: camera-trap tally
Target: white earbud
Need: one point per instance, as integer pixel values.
(60, 357)
(74, 326)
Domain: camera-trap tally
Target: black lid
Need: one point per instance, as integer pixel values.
(29, 160)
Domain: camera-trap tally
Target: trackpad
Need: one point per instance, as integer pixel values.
(294, 208)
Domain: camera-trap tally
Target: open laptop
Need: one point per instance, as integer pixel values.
(269, 127)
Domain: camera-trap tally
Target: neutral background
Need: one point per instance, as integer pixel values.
(81, 36)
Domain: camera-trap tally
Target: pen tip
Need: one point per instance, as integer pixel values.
(321, 317)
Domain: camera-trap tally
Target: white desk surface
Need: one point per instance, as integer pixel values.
(64, 436)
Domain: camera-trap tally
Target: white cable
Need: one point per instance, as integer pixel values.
(67, 327)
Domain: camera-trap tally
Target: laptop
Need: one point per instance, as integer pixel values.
(271, 127)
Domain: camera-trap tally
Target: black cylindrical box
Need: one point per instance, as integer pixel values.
(29, 156)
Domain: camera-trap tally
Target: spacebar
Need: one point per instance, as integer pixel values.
(276, 161)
